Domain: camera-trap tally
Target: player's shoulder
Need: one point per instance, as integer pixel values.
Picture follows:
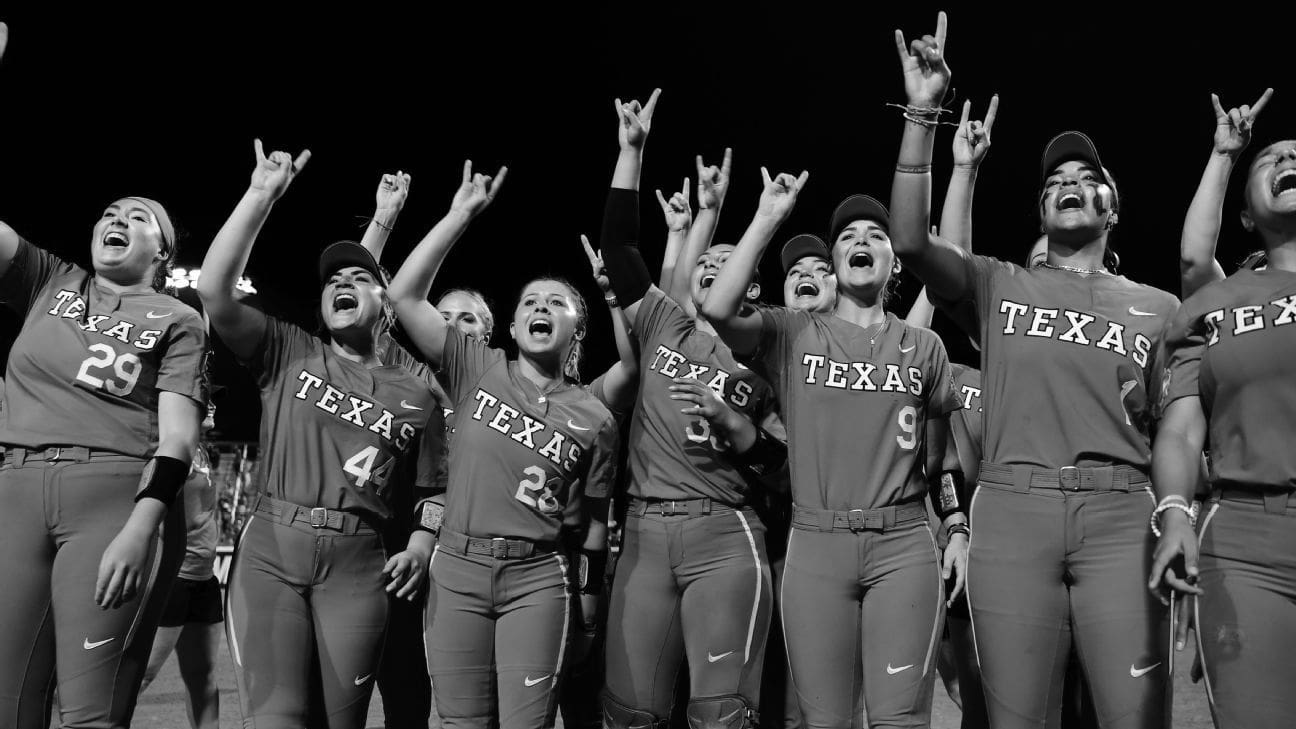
(926, 339)
(590, 405)
(1147, 297)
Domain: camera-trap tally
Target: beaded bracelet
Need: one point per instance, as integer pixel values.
(1171, 502)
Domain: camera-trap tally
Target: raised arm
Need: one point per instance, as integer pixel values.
(679, 220)
(1197, 263)
(240, 326)
(723, 306)
(620, 379)
(936, 262)
(409, 289)
(390, 199)
(971, 143)
(713, 186)
(620, 236)
(8, 238)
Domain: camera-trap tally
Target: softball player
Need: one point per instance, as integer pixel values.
(808, 280)
(101, 416)
(1061, 500)
(692, 579)
(861, 557)
(531, 448)
(310, 578)
(1228, 383)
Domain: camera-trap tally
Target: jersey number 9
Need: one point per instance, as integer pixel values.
(908, 422)
(126, 366)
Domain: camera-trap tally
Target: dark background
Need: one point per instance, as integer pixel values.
(99, 106)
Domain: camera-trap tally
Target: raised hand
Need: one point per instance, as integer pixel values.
(926, 74)
(972, 140)
(4, 39)
(635, 121)
(392, 191)
(713, 182)
(676, 210)
(597, 268)
(476, 191)
(780, 194)
(275, 173)
(1233, 127)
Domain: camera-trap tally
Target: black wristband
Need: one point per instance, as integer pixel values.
(767, 454)
(591, 571)
(959, 528)
(948, 494)
(162, 479)
(427, 516)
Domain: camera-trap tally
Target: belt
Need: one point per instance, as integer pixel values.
(80, 454)
(677, 507)
(1067, 478)
(496, 547)
(316, 517)
(858, 520)
(1274, 502)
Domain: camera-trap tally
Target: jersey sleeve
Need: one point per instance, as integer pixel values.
(183, 369)
(598, 388)
(1182, 347)
(943, 397)
(778, 329)
(657, 312)
(29, 271)
(281, 343)
(395, 353)
(600, 478)
(430, 473)
(464, 360)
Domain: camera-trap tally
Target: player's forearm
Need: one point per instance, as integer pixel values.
(413, 281)
(8, 247)
(421, 542)
(1177, 450)
(179, 426)
(911, 192)
(725, 297)
(1202, 222)
(675, 242)
(920, 314)
(628, 165)
(956, 215)
(145, 518)
(227, 256)
(627, 356)
(379, 230)
(698, 240)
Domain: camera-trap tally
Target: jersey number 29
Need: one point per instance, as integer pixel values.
(126, 366)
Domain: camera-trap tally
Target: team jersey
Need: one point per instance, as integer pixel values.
(429, 464)
(201, 530)
(855, 401)
(673, 455)
(333, 430)
(88, 364)
(965, 425)
(522, 459)
(1052, 343)
(1233, 344)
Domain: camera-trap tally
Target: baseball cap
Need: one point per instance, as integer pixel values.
(801, 246)
(346, 253)
(1068, 146)
(857, 207)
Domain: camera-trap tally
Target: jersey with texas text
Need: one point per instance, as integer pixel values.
(965, 425)
(522, 459)
(855, 401)
(1233, 344)
(333, 431)
(88, 365)
(1053, 347)
(673, 455)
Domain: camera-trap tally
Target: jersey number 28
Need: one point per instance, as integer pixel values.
(536, 493)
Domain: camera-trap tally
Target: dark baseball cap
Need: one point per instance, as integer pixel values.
(857, 207)
(347, 253)
(801, 246)
(1066, 147)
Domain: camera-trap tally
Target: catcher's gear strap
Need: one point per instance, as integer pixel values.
(162, 479)
(720, 712)
(591, 571)
(948, 494)
(767, 455)
(617, 715)
(619, 245)
(428, 515)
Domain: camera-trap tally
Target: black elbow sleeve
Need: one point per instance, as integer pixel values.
(620, 246)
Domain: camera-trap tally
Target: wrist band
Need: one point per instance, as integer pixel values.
(611, 301)
(590, 571)
(1173, 501)
(959, 528)
(379, 223)
(766, 455)
(913, 169)
(162, 479)
(948, 494)
(428, 517)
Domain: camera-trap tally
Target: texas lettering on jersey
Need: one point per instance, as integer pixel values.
(357, 411)
(970, 397)
(537, 435)
(861, 376)
(1076, 327)
(71, 305)
(672, 364)
(1239, 320)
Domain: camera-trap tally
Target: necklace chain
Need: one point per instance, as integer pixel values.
(1073, 269)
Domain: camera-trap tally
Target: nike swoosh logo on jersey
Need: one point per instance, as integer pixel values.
(405, 404)
(907, 351)
(533, 681)
(572, 424)
(361, 679)
(1140, 672)
(713, 659)
(894, 671)
(91, 646)
(151, 315)
(1136, 312)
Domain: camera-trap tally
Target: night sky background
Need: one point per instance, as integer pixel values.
(104, 105)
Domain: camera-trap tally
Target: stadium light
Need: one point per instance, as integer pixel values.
(185, 278)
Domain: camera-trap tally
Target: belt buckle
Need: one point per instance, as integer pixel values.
(667, 508)
(54, 453)
(1069, 478)
(499, 548)
(855, 519)
(318, 517)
